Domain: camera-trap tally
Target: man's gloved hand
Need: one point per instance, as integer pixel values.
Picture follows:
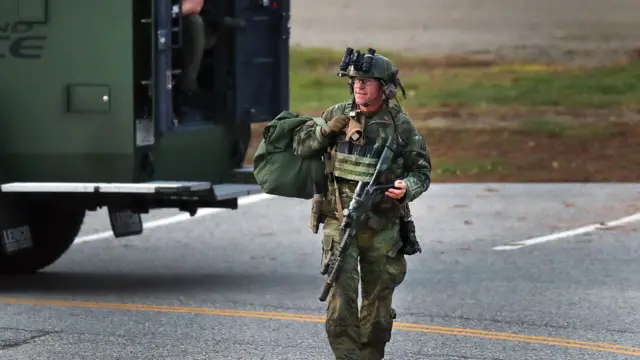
(335, 125)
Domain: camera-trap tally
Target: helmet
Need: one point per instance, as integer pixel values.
(381, 68)
(371, 65)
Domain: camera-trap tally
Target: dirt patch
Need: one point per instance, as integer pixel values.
(503, 155)
(529, 149)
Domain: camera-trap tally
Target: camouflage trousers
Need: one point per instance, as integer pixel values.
(363, 335)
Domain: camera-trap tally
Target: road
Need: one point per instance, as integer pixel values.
(584, 31)
(208, 289)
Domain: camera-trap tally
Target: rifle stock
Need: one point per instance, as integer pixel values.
(354, 215)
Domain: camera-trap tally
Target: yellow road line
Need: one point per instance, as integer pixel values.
(588, 345)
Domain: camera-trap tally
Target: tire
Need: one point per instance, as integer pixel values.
(54, 227)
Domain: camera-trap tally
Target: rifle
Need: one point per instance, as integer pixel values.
(366, 194)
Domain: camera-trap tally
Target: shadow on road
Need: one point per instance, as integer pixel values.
(78, 283)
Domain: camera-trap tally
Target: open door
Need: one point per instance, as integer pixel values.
(261, 62)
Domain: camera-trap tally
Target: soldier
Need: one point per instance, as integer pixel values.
(379, 249)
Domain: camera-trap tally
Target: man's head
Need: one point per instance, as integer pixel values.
(372, 82)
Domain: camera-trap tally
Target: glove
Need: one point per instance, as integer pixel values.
(335, 125)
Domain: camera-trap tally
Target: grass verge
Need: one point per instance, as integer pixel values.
(554, 121)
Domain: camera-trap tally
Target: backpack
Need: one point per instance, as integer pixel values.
(277, 169)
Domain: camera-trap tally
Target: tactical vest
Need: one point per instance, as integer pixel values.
(357, 162)
(349, 163)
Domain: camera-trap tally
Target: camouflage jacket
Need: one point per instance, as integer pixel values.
(414, 165)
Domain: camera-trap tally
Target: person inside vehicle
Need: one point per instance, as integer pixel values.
(198, 36)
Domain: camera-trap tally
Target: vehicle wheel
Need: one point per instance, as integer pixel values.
(54, 227)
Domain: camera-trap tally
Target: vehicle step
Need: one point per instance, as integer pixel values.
(125, 188)
(221, 191)
(243, 175)
(229, 191)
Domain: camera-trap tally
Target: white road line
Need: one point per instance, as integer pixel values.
(568, 233)
(177, 218)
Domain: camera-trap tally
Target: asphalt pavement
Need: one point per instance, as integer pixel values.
(584, 31)
(244, 284)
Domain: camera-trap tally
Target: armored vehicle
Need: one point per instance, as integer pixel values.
(91, 118)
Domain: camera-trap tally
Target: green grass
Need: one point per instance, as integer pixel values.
(458, 82)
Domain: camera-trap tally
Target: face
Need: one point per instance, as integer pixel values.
(367, 91)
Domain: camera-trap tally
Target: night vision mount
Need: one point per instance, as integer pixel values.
(361, 63)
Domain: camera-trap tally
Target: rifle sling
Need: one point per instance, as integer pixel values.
(329, 170)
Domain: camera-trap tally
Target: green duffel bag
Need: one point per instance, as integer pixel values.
(277, 169)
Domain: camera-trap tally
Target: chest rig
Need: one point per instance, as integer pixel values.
(355, 155)
(354, 158)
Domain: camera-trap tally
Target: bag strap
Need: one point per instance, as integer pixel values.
(329, 164)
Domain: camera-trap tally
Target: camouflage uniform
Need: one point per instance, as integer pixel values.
(377, 249)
